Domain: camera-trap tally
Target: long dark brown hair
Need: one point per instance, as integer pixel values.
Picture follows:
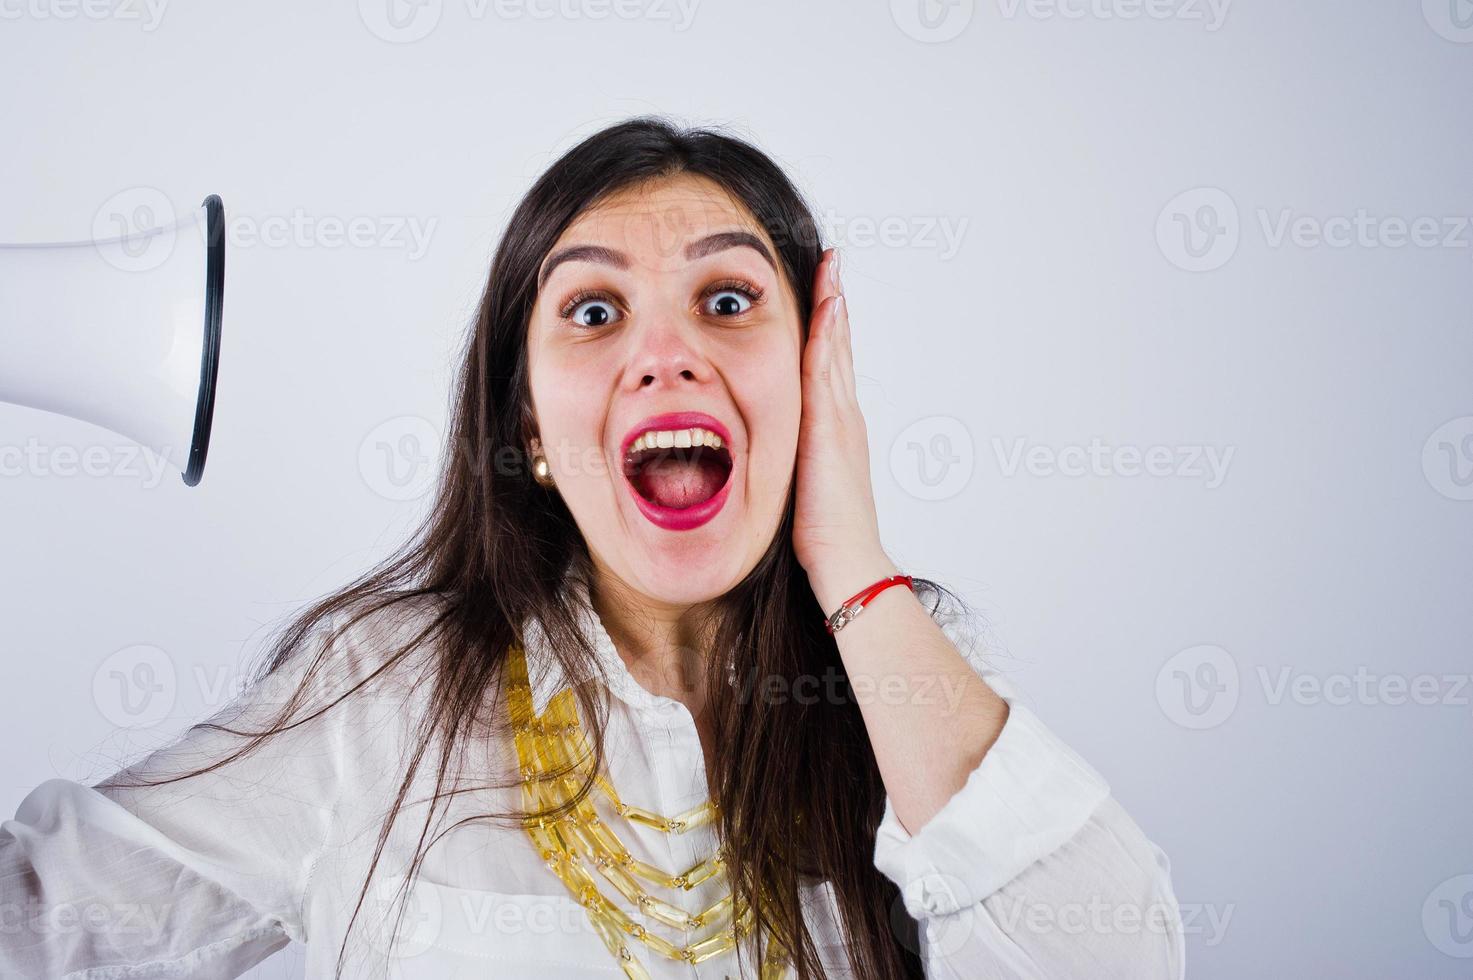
(798, 791)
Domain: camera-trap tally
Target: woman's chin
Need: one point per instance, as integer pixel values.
(686, 568)
(691, 560)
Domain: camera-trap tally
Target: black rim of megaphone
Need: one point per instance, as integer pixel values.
(209, 369)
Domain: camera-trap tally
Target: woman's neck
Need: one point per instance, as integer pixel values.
(658, 641)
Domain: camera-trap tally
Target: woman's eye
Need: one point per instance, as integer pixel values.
(593, 313)
(729, 302)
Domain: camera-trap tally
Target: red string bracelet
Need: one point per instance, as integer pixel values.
(855, 604)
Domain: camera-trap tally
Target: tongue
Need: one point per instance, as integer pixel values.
(676, 483)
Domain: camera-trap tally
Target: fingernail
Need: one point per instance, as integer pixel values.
(838, 263)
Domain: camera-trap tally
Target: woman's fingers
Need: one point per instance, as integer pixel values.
(844, 351)
(818, 355)
(828, 360)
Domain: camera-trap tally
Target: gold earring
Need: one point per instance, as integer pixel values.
(541, 472)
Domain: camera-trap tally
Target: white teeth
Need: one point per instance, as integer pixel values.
(676, 438)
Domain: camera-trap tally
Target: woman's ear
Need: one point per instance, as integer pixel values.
(527, 422)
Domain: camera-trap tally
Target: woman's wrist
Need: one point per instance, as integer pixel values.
(836, 579)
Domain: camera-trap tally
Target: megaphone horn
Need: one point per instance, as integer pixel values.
(122, 332)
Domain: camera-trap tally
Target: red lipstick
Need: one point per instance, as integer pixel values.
(681, 518)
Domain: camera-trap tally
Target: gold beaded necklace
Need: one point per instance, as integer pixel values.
(547, 745)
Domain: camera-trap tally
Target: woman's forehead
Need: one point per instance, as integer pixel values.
(661, 216)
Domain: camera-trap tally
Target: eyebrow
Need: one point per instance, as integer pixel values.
(695, 250)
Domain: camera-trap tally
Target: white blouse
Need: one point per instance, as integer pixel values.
(1031, 870)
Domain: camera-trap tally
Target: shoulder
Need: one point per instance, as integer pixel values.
(355, 666)
(394, 639)
(388, 644)
(360, 683)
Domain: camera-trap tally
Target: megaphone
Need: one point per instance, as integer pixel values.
(123, 331)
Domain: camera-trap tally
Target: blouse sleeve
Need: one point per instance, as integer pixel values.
(200, 878)
(1033, 870)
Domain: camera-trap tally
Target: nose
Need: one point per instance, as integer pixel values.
(665, 355)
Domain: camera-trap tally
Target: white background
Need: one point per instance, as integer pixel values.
(1151, 617)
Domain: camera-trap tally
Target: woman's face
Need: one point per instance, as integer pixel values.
(669, 317)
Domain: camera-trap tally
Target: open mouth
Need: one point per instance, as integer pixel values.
(679, 470)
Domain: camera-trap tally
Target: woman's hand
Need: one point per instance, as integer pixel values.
(835, 531)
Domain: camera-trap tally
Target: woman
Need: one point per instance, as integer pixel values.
(652, 528)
